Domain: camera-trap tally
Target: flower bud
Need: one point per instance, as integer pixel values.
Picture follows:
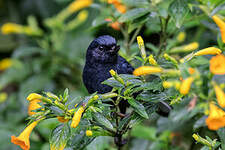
(144, 70)
(181, 37)
(89, 133)
(76, 118)
(208, 51)
(152, 61)
(141, 46)
(185, 48)
(221, 25)
(220, 95)
(186, 85)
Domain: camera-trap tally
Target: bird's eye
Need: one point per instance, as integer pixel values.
(101, 48)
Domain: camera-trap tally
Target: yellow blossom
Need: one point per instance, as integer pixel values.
(181, 37)
(186, 85)
(217, 64)
(76, 118)
(9, 28)
(216, 118)
(33, 105)
(89, 133)
(5, 64)
(33, 96)
(185, 48)
(221, 25)
(79, 4)
(208, 51)
(167, 84)
(144, 70)
(3, 97)
(196, 137)
(23, 139)
(62, 119)
(177, 85)
(220, 95)
(191, 70)
(112, 72)
(140, 42)
(82, 16)
(152, 61)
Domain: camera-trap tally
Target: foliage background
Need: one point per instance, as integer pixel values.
(37, 70)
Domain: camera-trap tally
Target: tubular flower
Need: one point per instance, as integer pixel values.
(186, 85)
(221, 25)
(33, 105)
(115, 25)
(151, 60)
(208, 51)
(62, 119)
(167, 84)
(185, 48)
(23, 139)
(191, 70)
(33, 96)
(144, 70)
(141, 46)
(119, 6)
(82, 16)
(76, 118)
(217, 64)
(220, 95)
(79, 4)
(181, 37)
(89, 133)
(5, 64)
(216, 118)
(9, 28)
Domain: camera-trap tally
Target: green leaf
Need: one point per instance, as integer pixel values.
(103, 121)
(59, 137)
(133, 14)
(221, 133)
(178, 10)
(138, 107)
(144, 132)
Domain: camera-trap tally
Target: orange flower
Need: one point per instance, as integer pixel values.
(115, 25)
(216, 117)
(221, 25)
(23, 139)
(62, 119)
(119, 6)
(220, 95)
(191, 70)
(33, 105)
(217, 64)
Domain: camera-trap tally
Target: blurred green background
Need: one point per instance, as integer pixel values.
(57, 64)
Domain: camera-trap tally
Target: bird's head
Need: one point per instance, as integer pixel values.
(103, 49)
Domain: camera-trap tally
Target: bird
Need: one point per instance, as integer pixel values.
(102, 56)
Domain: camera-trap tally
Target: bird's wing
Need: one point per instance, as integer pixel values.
(123, 66)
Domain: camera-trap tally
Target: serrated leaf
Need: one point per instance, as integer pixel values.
(133, 14)
(178, 9)
(103, 121)
(59, 137)
(138, 107)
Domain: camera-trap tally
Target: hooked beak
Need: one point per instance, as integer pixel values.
(115, 49)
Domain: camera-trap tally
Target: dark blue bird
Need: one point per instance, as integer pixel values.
(101, 57)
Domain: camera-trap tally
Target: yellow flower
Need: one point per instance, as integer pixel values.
(76, 118)
(140, 42)
(220, 95)
(3, 97)
(9, 28)
(217, 64)
(23, 139)
(79, 4)
(177, 85)
(181, 37)
(167, 84)
(208, 51)
(33, 105)
(221, 25)
(152, 61)
(82, 16)
(185, 48)
(33, 96)
(196, 137)
(62, 119)
(89, 133)
(216, 117)
(186, 85)
(112, 72)
(144, 70)
(5, 64)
